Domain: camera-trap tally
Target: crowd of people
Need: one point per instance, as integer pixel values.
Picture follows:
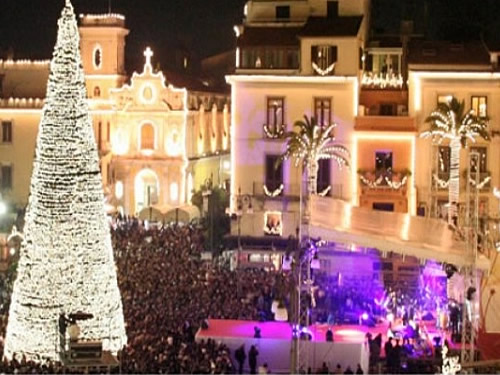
(169, 291)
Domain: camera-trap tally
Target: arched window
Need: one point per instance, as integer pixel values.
(147, 137)
(97, 92)
(97, 57)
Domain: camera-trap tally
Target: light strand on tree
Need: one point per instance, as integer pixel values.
(66, 262)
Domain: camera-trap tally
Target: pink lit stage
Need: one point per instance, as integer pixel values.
(349, 347)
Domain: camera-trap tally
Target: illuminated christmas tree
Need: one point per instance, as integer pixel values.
(66, 262)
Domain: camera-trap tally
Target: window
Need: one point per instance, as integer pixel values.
(274, 173)
(322, 111)
(99, 136)
(478, 105)
(147, 137)
(275, 113)
(443, 160)
(383, 162)
(444, 99)
(282, 12)
(97, 57)
(387, 109)
(270, 58)
(483, 160)
(382, 206)
(97, 92)
(332, 9)
(6, 177)
(323, 59)
(7, 131)
(324, 176)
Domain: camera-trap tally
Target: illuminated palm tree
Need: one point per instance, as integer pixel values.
(449, 121)
(311, 143)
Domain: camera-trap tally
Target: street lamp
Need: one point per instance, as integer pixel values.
(243, 205)
(305, 256)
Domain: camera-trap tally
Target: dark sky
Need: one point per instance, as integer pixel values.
(206, 26)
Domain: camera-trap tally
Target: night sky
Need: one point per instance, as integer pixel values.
(206, 26)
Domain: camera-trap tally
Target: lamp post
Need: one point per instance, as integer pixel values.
(208, 208)
(243, 205)
(306, 255)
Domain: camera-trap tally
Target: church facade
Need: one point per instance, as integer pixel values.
(157, 142)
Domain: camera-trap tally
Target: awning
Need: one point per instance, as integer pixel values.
(337, 221)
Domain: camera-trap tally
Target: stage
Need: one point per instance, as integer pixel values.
(348, 348)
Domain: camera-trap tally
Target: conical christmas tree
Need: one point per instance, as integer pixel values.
(66, 262)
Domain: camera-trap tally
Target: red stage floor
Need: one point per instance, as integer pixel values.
(280, 330)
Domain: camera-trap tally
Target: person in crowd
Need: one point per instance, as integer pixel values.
(240, 356)
(338, 369)
(323, 369)
(359, 370)
(252, 359)
(348, 370)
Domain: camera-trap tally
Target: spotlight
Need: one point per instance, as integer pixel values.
(364, 316)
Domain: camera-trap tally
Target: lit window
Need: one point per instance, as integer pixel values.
(322, 111)
(97, 92)
(483, 159)
(174, 192)
(275, 114)
(147, 137)
(119, 190)
(274, 173)
(444, 99)
(273, 224)
(323, 59)
(478, 105)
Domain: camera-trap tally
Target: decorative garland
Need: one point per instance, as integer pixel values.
(274, 193)
(325, 192)
(323, 72)
(396, 185)
(379, 182)
(278, 132)
(442, 183)
(371, 184)
(450, 364)
(481, 184)
(375, 80)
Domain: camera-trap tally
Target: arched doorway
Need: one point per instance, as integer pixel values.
(147, 188)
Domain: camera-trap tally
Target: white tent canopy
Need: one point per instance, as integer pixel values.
(167, 213)
(424, 238)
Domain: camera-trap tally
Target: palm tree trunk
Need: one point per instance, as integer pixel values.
(312, 188)
(454, 184)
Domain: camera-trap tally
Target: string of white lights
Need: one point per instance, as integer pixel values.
(66, 263)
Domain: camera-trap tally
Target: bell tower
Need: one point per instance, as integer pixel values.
(102, 45)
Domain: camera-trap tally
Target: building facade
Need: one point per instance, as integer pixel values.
(151, 130)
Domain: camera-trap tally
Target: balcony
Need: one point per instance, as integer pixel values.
(385, 123)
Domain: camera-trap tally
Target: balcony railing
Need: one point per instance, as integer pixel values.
(381, 80)
(385, 123)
